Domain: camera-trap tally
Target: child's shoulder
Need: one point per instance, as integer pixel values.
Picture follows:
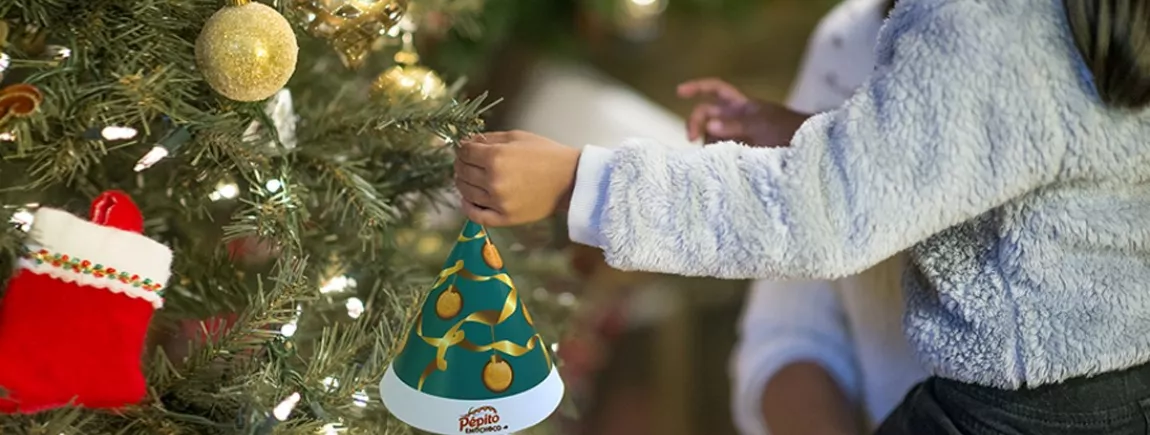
(852, 16)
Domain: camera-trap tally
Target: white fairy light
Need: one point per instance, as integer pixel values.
(288, 329)
(154, 155)
(114, 132)
(22, 219)
(566, 299)
(354, 308)
(329, 429)
(8, 136)
(338, 284)
(273, 185)
(554, 347)
(360, 398)
(225, 191)
(331, 383)
(284, 409)
(171, 141)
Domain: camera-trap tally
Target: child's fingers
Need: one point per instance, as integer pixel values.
(474, 194)
(712, 88)
(471, 174)
(700, 116)
(724, 128)
(483, 216)
(494, 137)
(474, 153)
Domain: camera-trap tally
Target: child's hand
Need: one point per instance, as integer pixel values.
(514, 178)
(727, 114)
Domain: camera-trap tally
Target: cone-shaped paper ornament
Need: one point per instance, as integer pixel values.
(472, 362)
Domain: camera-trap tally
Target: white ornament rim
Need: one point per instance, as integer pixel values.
(446, 416)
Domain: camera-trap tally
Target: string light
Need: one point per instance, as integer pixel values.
(289, 328)
(118, 133)
(338, 284)
(284, 409)
(360, 398)
(153, 156)
(354, 307)
(23, 219)
(171, 142)
(273, 185)
(225, 191)
(566, 299)
(331, 383)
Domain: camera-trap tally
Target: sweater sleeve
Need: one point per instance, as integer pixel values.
(786, 323)
(951, 125)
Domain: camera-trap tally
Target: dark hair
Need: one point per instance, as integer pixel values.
(1114, 39)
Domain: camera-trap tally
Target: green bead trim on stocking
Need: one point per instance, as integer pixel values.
(86, 267)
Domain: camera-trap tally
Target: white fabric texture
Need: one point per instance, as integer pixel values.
(60, 232)
(852, 326)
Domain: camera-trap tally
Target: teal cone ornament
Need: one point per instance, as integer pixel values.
(472, 362)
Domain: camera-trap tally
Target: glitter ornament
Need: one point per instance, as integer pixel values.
(407, 80)
(246, 51)
(351, 25)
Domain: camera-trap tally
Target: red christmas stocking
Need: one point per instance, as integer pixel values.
(74, 318)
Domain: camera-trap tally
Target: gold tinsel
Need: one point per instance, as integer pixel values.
(351, 25)
(247, 51)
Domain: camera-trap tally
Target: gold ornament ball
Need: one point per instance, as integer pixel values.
(497, 375)
(406, 81)
(449, 303)
(247, 52)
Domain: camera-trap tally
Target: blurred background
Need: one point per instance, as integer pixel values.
(641, 353)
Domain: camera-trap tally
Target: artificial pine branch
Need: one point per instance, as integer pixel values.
(334, 203)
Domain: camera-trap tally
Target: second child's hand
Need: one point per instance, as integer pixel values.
(726, 114)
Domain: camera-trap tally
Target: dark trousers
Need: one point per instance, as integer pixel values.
(1116, 403)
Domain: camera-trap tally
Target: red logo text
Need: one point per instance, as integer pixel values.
(484, 419)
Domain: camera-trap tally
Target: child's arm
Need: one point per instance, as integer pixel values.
(953, 123)
(793, 338)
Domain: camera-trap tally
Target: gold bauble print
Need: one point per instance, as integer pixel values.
(246, 51)
(404, 82)
(497, 375)
(449, 303)
(491, 256)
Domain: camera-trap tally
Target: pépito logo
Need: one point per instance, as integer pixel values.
(484, 419)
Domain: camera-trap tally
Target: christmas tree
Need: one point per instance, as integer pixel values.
(278, 202)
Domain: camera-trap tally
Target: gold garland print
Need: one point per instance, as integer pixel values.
(497, 374)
